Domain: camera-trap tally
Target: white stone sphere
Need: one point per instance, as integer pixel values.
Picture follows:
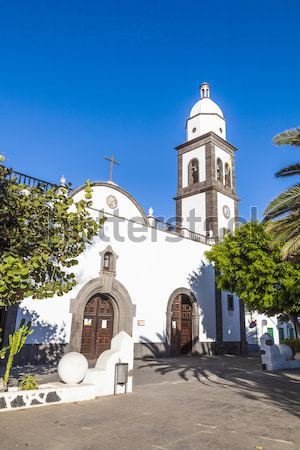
(286, 351)
(72, 368)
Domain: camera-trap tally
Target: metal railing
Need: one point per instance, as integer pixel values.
(183, 232)
(30, 181)
(33, 182)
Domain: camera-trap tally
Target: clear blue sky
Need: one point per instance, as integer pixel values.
(82, 79)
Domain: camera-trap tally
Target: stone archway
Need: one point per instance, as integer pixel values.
(195, 317)
(121, 302)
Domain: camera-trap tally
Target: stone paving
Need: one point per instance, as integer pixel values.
(223, 402)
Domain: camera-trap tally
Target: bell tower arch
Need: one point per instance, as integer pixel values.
(206, 199)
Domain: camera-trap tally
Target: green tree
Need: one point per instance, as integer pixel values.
(283, 213)
(41, 235)
(251, 267)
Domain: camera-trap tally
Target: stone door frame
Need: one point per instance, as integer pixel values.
(124, 310)
(195, 317)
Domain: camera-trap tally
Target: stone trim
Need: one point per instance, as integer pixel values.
(117, 188)
(121, 302)
(195, 318)
(219, 319)
(113, 264)
(204, 186)
(210, 162)
(179, 174)
(242, 328)
(179, 187)
(204, 139)
(211, 212)
(179, 214)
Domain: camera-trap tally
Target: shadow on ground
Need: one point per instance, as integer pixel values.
(241, 373)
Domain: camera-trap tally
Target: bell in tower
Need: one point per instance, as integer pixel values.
(204, 90)
(206, 172)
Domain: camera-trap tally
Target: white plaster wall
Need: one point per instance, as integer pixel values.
(253, 334)
(230, 319)
(125, 208)
(223, 200)
(150, 270)
(204, 123)
(198, 153)
(194, 202)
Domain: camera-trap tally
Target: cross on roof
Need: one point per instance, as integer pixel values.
(112, 161)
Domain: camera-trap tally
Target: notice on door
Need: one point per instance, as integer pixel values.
(87, 322)
(104, 324)
(174, 324)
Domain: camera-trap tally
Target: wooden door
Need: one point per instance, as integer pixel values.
(97, 330)
(181, 325)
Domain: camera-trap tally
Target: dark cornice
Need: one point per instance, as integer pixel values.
(204, 139)
(204, 187)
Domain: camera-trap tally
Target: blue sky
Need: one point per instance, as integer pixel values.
(82, 79)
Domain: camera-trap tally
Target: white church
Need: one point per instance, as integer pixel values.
(149, 278)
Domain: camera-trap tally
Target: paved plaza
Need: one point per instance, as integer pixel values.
(224, 402)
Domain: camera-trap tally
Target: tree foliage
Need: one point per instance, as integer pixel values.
(251, 267)
(41, 235)
(283, 212)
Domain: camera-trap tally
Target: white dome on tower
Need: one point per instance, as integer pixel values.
(205, 116)
(206, 106)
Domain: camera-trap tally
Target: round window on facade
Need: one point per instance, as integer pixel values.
(221, 131)
(194, 130)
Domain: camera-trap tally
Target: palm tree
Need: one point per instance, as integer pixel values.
(283, 213)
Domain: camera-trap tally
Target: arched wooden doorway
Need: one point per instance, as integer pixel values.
(181, 325)
(97, 329)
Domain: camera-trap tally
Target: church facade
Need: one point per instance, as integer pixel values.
(149, 278)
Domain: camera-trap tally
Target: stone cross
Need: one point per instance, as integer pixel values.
(111, 165)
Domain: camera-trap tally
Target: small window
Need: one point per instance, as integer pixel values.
(227, 175)
(281, 335)
(107, 261)
(270, 331)
(291, 332)
(193, 171)
(230, 302)
(219, 170)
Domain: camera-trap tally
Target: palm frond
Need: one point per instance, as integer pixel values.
(288, 137)
(293, 169)
(283, 203)
(291, 248)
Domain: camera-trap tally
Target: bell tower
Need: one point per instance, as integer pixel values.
(206, 200)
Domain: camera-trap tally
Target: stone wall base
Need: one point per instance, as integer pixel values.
(36, 354)
(229, 348)
(162, 350)
(150, 349)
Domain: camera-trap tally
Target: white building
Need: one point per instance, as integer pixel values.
(258, 324)
(148, 278)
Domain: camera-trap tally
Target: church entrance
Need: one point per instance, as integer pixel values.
(97, 330)
(181, 325)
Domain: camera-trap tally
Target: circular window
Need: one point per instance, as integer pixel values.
(221, 131)
(226, 211)
(112, 202)
(194, 130)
